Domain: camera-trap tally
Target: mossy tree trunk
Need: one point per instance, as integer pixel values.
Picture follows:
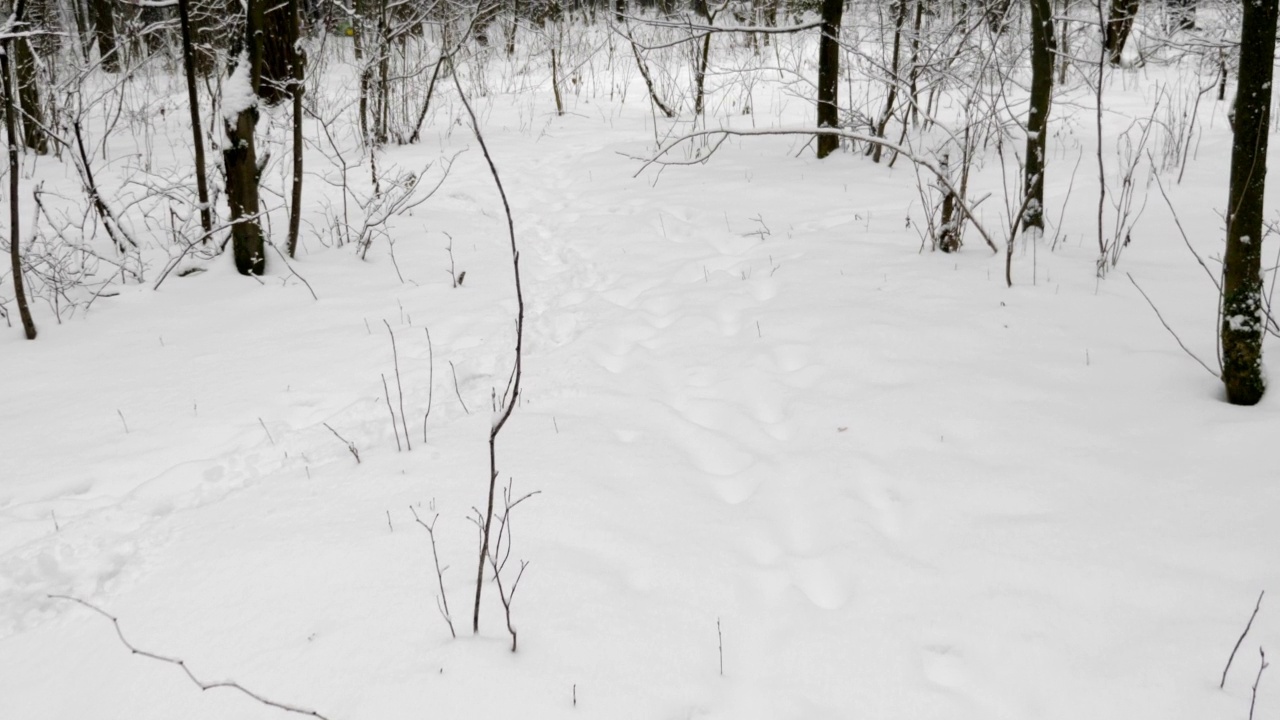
(1243, 309)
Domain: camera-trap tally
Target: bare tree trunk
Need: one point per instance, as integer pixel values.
(1043, 47)
(33, 136)
(1243, 307)
(15, 234)
(1119, 25)
(829, 74)
(193, 102)
(299, 61)
(102, 13)
(278, 39)
(240, 154)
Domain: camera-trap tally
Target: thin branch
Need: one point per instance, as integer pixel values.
(1235, 649)
(228, 684)
(395, 356)
(351, 447)
(442, 602)
(1185, 349)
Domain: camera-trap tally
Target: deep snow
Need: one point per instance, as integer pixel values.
(765, 427)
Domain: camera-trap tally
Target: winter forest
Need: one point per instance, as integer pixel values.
(737, 359)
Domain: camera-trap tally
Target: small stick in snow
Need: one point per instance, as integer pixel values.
(455, 387)
(395, 356)
(1236, 649)
(351, 447)
(431, 382)
(229, 684)
(720, 638)
(1263, 665)
(265, 430)
(122, 422)
(55, 521)
(389, 526)
(386, 394)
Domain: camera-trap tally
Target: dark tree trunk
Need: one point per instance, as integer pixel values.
(620, 11)
(1243, 309)
(829, 74)
(33, 136)
(193, 101)
(102, 14)
(11, 131)
(278, 39)
(241, 158)
(1119, 25)
(299, 61)
(1043, 47)
(1182, 13)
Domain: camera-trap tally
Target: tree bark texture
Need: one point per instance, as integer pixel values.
(829, 74)
(1243, 309)
(1043, 48)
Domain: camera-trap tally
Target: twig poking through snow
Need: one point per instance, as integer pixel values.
(455, 387)
(442, 600)
(395, 356)
(351, 447)
(1253, 699)
(229, 684)
(1236, 649)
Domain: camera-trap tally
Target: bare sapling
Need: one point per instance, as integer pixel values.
(500, 554)
(442, 600)
(509, 396)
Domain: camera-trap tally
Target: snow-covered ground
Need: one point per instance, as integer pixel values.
(789, 465)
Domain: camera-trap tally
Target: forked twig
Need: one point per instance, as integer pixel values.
(1236, 649)
(442, 600)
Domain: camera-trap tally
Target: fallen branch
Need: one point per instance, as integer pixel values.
(228, 684)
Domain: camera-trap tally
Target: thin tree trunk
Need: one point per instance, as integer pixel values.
(829, 74)
(15, 234)
(33, 136)
(1243, 308)
(193, 102)
(102, 13)
(899, 20)
(1043, 47)
(299, 61)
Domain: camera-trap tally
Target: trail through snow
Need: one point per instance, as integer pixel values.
(768, 433)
